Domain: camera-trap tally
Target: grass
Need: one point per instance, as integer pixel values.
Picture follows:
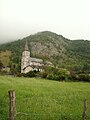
(39, 99)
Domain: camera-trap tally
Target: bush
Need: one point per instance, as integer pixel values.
(30, 74)
(84, 77)
(50, 76)
(43, 75)
(53, 73)
(80, 77)
(3, 72)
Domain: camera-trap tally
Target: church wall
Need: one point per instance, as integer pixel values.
(27, 69)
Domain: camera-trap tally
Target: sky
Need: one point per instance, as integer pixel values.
(21, 18)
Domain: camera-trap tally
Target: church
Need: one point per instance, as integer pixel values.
(28, 63)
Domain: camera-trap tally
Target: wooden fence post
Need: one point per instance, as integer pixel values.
(11, 104)
(84, 109)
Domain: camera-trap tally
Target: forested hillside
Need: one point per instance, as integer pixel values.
(57, 49)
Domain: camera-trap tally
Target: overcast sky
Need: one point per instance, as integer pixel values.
(20, 18)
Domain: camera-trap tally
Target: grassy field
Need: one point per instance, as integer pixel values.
(39, 99)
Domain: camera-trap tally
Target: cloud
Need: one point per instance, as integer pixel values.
(19, 18)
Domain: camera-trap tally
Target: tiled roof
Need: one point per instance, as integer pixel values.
(36, 60)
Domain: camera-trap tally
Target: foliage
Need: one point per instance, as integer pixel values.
(4, 72)
(61, 74)
(53, 73)
(30, 74)
(5, 57)
(1, 65)
(79, 77)
(84, 77)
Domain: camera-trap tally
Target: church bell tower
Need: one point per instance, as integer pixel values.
(25, 62)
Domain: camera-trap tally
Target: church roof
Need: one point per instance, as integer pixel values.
(36, 60)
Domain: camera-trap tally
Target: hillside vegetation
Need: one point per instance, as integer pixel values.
(39, 99)
(5, 57)
(49, 46)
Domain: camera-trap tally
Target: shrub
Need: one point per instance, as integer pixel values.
(84, 77)
(29, 74)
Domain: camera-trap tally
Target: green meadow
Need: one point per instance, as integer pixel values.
(40, 99)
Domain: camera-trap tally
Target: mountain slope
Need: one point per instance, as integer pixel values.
(49, 46)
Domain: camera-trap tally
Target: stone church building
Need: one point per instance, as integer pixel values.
(28, 63)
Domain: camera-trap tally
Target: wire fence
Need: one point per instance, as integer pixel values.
(13, 113)
(21, 115)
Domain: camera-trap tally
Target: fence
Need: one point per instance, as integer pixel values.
(12, 106)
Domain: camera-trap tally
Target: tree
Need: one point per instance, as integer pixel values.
(1, 65)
